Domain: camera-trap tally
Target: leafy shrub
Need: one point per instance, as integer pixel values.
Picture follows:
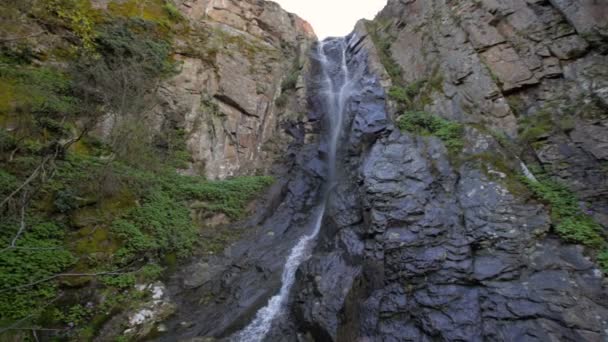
(172, 11)
(291, 81)
(383, 44)
(38, 90)
(230, 196)
(121, 281)
(78, 16)
(161, 225)
(406, 95)
(65, 200)
(531, 128)
(422, 123)
(8, 182)
(151, 272)
(129, 40)
(44, 257)
(571, 223)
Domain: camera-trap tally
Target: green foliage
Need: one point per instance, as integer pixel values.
(161, 225)
(162, 12)
(78, 16)
(76, 315)
(38, 90)
(39, 254)
(121, 281)
(422, 123)
(406, 95)
(129, 42)
(173, 12)
(8, 182)
(383, 43)
(572, 223)
(230, 196)
(603, 260)
(532, 128)
(151, 272)
(291, 81)
(65, 200)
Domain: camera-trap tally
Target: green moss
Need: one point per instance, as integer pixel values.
(532, 128)
(38, 90)
(77, 15)
(422, 123)
(516, 104)
(159, 11)
(496, 167)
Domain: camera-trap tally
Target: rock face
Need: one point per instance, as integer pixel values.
(509, 65)
(233, 62)
(417, 244)
(417, 247)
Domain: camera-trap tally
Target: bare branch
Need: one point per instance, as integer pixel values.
(24, 319)
(31, 178)
(22, 227)
(62, 275)
(11, 39)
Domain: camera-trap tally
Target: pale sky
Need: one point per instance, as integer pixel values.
(332, 18)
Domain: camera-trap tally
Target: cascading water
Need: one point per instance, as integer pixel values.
(335, 92)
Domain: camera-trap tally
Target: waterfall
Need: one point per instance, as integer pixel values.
(335, 92)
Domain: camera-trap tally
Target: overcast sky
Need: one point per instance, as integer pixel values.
(333, 17)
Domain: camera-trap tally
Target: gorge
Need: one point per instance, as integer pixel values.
(439, 174)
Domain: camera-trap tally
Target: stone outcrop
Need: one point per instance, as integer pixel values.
(510, 65)
(233, 62)
(418, 244)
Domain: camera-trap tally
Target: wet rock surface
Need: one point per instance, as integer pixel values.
(416, 249)
(515, 67)
(418, 244)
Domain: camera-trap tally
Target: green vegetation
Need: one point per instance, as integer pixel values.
(28, 89)
(128, 219)
(77, 15)
(161, 12)
(422, 123)
(534, 127)
(383, 43)
(603, 260)
(38, 254)
(90, 219)
(289, 84)
(406, 95)
(572, 223)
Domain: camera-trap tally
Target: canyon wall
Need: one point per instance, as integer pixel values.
(423, 242)
(235, 62)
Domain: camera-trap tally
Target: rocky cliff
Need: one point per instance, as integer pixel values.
(531, 70)
(426, 243)
(132, 134)
(240, 79)
(467, 193)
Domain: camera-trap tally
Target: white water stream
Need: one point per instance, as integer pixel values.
(336, 92)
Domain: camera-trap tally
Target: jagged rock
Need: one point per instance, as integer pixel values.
(418, 244)
(234, 59)
(448, 254)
